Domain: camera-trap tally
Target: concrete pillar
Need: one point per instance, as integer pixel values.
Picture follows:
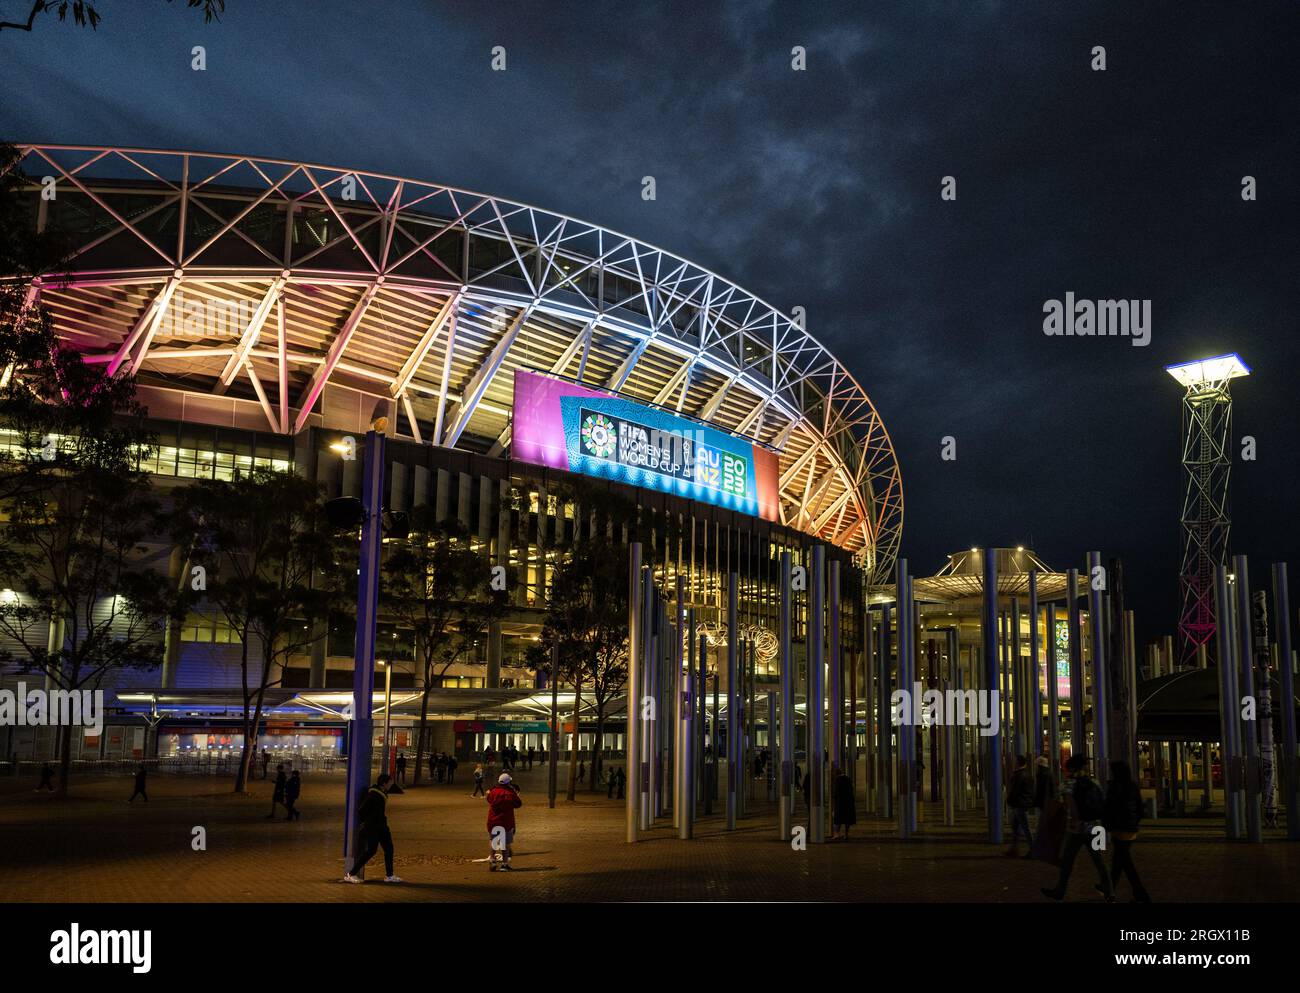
(397, 487)
(634, 670)
(817, 696)
(420, 496)
(993, 755)
(494, 655)
(442, 496)
(785, 739)
(464, 490)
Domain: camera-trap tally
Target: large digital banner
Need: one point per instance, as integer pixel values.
(566, 426)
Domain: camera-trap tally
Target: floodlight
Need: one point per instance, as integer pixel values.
(1215, 370)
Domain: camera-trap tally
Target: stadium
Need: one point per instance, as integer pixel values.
(268, 310)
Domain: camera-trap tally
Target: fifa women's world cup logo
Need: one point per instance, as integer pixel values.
(599, 436)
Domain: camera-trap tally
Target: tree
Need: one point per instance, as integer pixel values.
(268, 562)
(85, 12)
(587, 620)
(77, 509)
(437, 585)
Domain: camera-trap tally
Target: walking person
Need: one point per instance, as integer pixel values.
(451, 769)
(622, 784)
(277, 794)
(292, 790)
(582, 771)
(503, 800)
(478, 780)
(844, 809)
(433, 765)
(47, 778)
(401, 768)
(1085, 805)
(532, 752)
(1020, 800)
(266, 760)
(1044, 790)
(373, 833)
(140, 777)
(1121, 818)
(442, 767)
(613, 781)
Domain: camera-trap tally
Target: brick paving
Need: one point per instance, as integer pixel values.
(94, 847)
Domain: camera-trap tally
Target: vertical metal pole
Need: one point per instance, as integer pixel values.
(785, 739)
(1291, 782)
(837, 672)
(1246, 666)
(817, 696)
(1004, 688)
(681, 745)
(1100, 648)
(993, 748)
(552, 759)
(770, 773)
(387, 758)
(871, 777)
(734, 732)
(906, 730)
(645, 732)
(703, 794)
(951, 772)
(886, 787)
(1077, 743)
(1228, 701)
(632, 734)
(711, 793)
(363, 675)
(1053, 697)
(1036, 691)
(685, 757)
(694, 744)
(1019, 687)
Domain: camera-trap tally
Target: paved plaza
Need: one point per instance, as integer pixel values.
(95, 847)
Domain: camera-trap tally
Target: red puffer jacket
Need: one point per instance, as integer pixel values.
(502, 803)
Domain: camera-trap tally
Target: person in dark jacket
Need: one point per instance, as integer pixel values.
(1085, 804)
(807, 791)
(1020, 799)
(266, 761)
(622, 784)
(613, 781)
(844, 812)
(277, 794)
(400, 765)
(373, 833)
(292, 790)
(47, 778)
(502, 800)
(140, 776)
(1123, 813)
(451, 768)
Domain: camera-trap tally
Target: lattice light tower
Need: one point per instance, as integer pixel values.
(1207, 433)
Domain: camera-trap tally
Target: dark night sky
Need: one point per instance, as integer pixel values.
(821, 189)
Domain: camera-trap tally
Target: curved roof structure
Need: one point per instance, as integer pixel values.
(266, 280)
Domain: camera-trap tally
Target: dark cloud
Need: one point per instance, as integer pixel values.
(821, 189)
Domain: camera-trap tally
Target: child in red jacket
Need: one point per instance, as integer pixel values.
(502, 800)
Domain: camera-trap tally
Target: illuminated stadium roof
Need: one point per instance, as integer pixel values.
(257, 282)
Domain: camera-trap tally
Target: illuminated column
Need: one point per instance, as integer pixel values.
(733, 703)
(785, 739)
(1291, 784)
(906, 729)
(1035, 646)
(993, 746)
(1100, 703)
(837, 673)
(951, 771)
(1244, 663)
(645, 733)
(885, 788)
(817, 696)
(1078, 745)
(1229, 702)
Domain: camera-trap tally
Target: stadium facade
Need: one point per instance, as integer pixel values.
(271, 310)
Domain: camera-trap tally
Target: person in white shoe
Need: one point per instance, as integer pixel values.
(502, 800)
(373, 833)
